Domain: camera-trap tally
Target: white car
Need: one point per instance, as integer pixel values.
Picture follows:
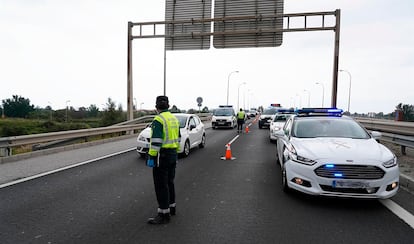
(278, 122)
(224, 117)
(192, 135)
(322, 152)
(267, 116)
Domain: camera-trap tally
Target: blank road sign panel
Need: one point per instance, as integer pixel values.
(183, 36)
(255, 32)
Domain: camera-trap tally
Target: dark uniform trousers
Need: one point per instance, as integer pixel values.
(240, 123)
(164, 176)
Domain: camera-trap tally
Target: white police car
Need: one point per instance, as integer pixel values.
(224, 117)
(322, 152)
(192, 135)
(278, 122)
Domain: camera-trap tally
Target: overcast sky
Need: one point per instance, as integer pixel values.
(58, 53)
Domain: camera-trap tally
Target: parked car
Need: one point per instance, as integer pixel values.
(267, 116)
(322, 152)
(251, 114)
(224, 117)
(192, 135)
(278, 122)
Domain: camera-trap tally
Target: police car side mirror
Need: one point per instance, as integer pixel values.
(192, 127)
(376, 135)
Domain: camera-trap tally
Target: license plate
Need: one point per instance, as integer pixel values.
(221, 123)
(349, 184)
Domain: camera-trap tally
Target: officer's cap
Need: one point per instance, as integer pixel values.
(162, 102)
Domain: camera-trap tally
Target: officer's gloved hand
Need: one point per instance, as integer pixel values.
(151, 161)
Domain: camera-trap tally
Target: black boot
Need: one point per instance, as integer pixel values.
(172, 211)
(160, 219)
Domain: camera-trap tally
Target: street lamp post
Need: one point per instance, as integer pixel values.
(349, 91)
(50, 106)
(238, 94)
(66, 119)
(228, 85)
(323, 91)
(308, 97)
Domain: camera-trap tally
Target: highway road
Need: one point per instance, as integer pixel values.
(218, 201)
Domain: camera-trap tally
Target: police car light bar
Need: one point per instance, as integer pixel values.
(320, 111)
(275, 105)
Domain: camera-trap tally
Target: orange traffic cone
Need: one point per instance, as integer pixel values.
(247, 129)
(228, 153)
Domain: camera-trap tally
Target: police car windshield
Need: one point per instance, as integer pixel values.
(270, 111)
(328, 127)
(182, 120)
(223, 112)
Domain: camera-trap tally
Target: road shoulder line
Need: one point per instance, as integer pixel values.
(399, 211)
(62, 169)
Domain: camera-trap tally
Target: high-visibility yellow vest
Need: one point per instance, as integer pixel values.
(171, 127)
(240, 115)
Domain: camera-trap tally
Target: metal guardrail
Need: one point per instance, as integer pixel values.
(390, 126)
(128, 127)
(398, 132)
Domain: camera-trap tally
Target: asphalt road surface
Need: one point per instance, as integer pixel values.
(218, 201)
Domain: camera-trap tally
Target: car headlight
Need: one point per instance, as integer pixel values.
(299, 159)
(390, 163)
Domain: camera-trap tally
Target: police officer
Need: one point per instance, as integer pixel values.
(241, 116)
(162, 157)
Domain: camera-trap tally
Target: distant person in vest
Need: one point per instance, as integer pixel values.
(162, 158)
(241, 116)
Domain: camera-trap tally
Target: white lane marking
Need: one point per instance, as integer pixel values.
(399, 211)
(235, 138)
(62, 169)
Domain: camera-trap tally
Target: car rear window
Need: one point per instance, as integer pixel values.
(182, 120)
(282, 117)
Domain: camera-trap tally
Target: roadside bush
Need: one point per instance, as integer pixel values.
(18, 127)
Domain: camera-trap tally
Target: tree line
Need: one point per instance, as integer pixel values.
(20, 107)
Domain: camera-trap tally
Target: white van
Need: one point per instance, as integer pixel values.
(224, 117)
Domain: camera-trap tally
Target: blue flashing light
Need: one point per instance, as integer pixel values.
(325, 111)
(329, 166)
(338, 174)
